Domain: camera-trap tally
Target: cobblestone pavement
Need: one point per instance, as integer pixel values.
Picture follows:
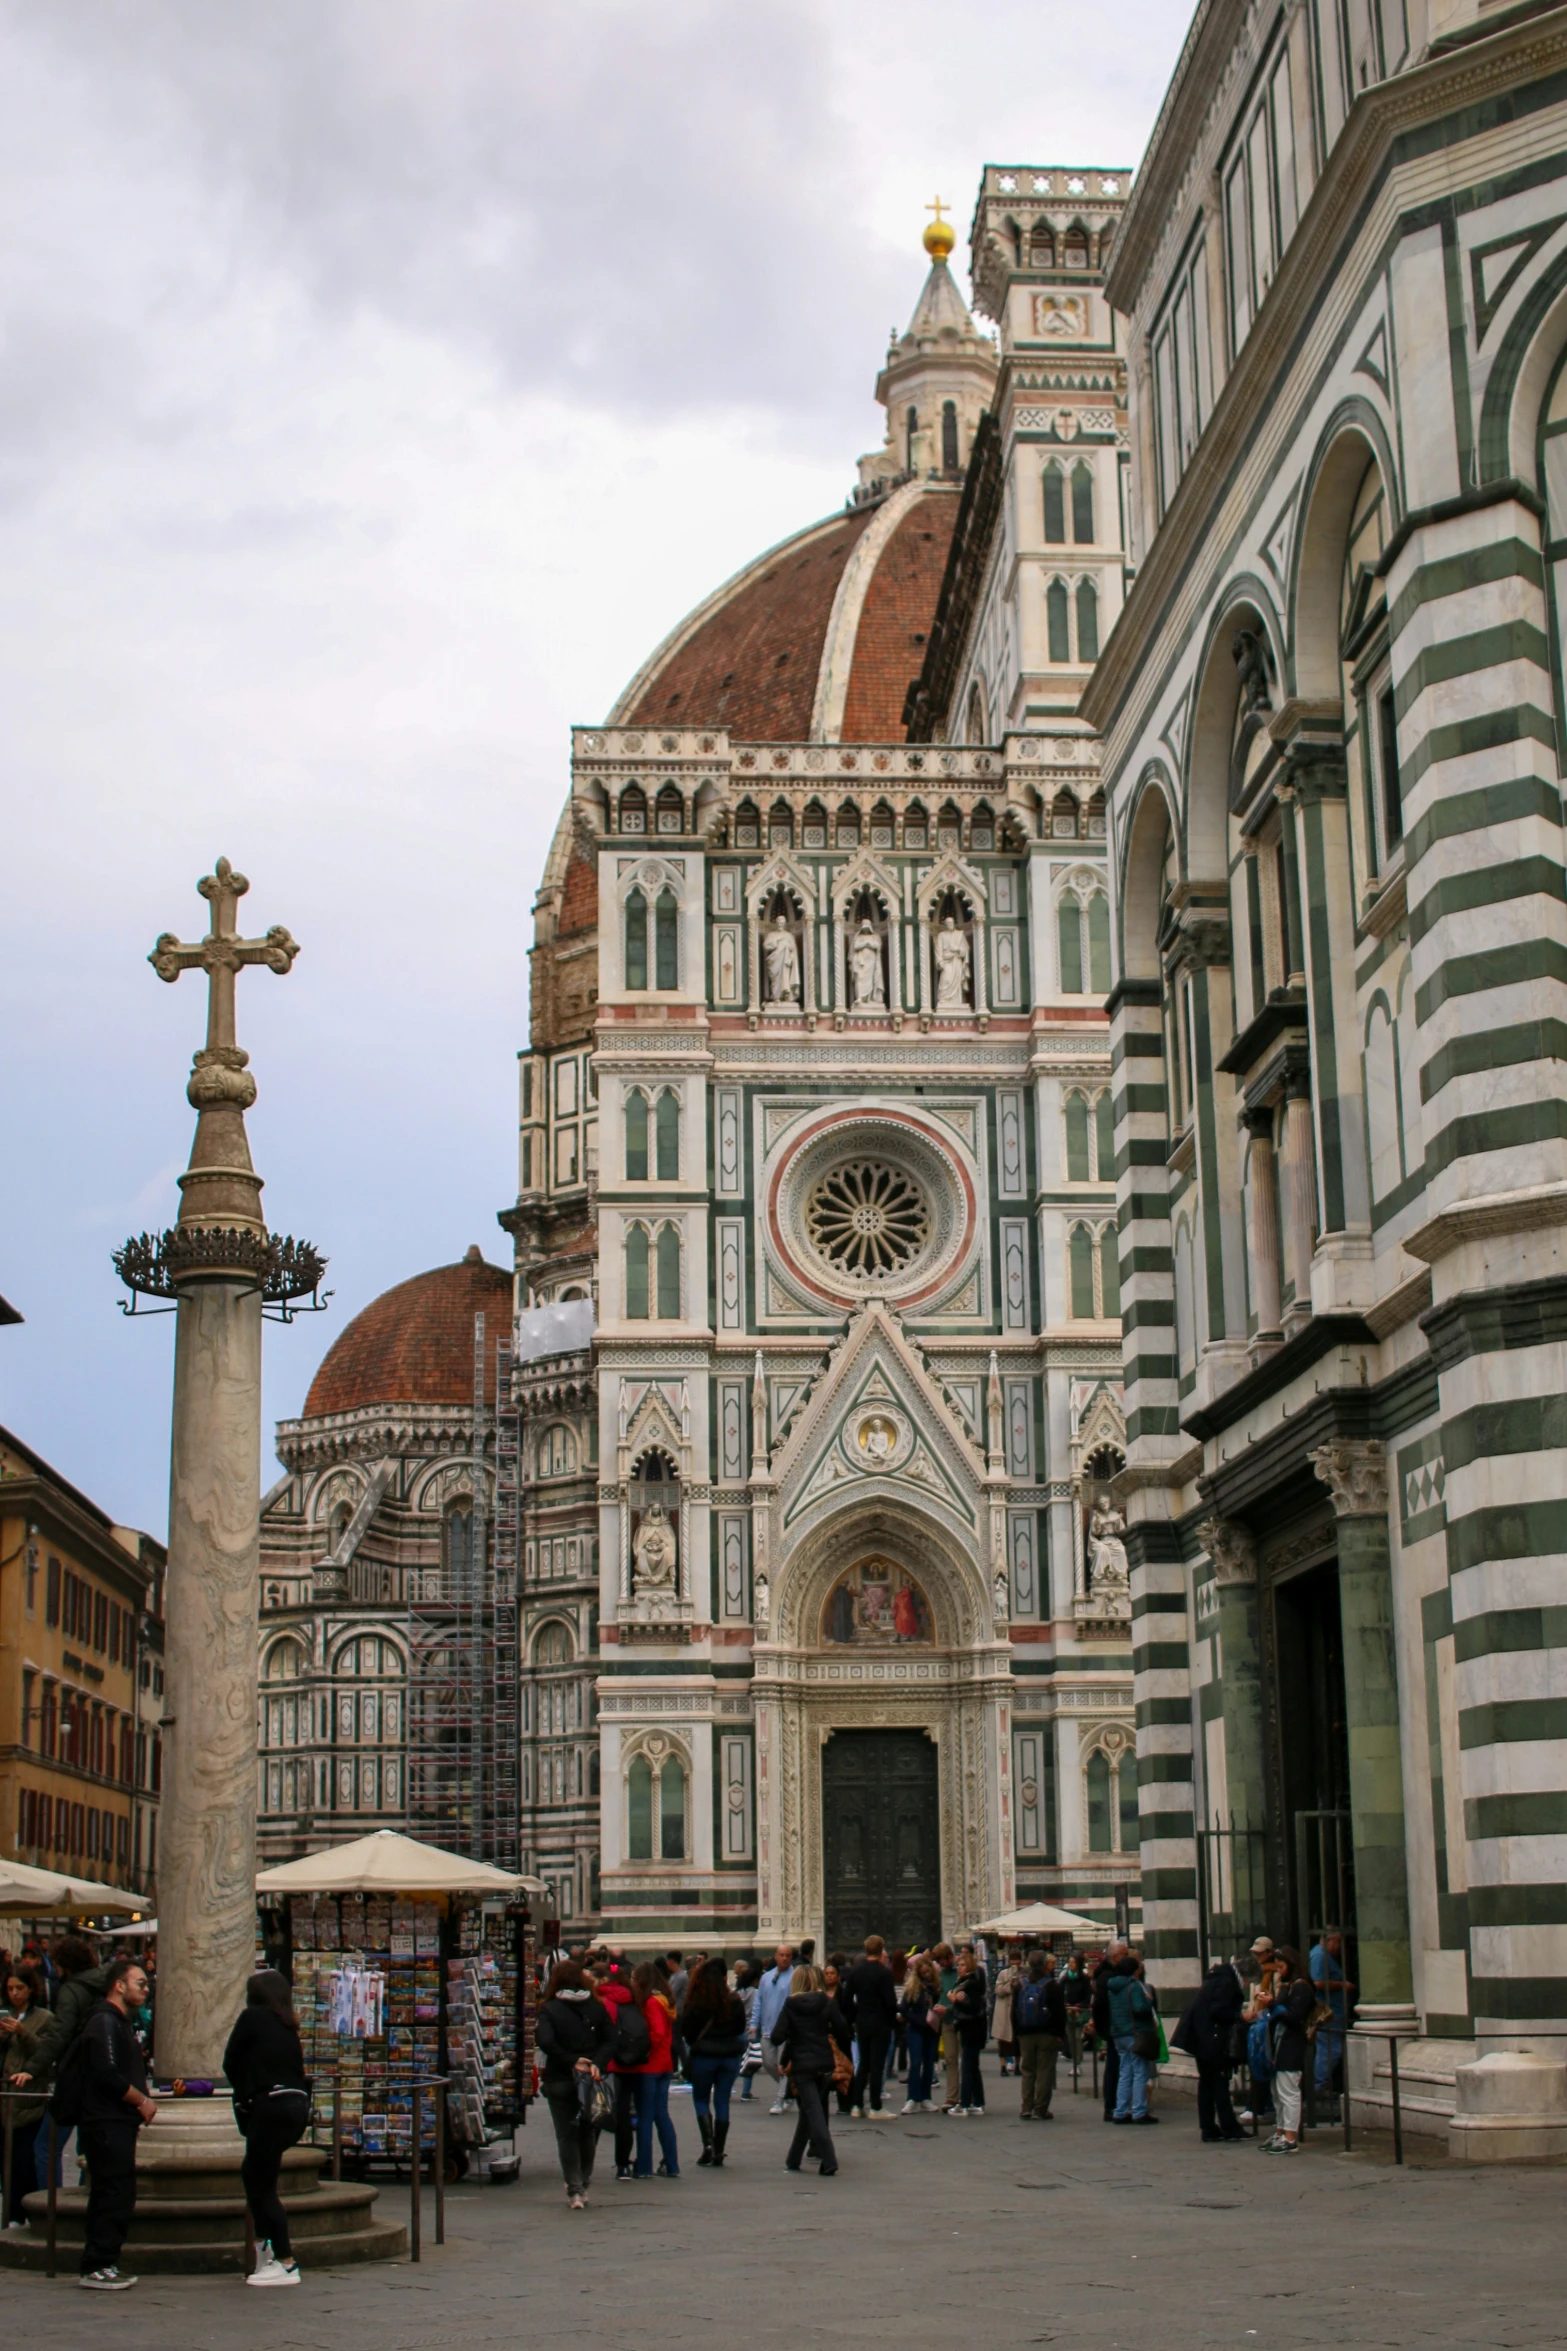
(935, 2231)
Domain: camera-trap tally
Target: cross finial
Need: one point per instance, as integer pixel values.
(222, 952)
(939, 207)
(940, 235)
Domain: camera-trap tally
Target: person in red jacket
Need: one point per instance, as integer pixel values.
(614, 1990)
(650, 2081)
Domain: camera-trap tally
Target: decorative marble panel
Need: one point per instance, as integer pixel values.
(1023, 1541)
(732, 1594)
(1008, 967)
(735, 1772)
(728, 1154)
(731, 1272)
(1028, 1762)
(1020, 1429)
(726, 889)
(731, 1429)
(1011, 1158)
(1014, 1273)
(728, 965)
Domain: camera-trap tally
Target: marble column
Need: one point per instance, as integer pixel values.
(1355, 1472)
(1234, 1554)
(1300, 1195)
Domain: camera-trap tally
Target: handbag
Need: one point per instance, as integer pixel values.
(751, 2062)
(594, 2100)
(1146, 2039)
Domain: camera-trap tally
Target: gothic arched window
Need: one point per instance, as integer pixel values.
(949, 436)
(636, 940)
(1069, 928)
(1087, 621)
(668, 1274)
(1096, 1778)
(1055, 507)
(636, 1138)
(668, 1123)
(1083, 504)
(1057, 623)
(457, 1537)
(1109, 1273)
(910, 427)
(1099, 944)
(666, 942)
(672, 1811)
(1104, 1136)
(639, 1809)
(1129, 1837)
(1077, 1171)
(1080, 1258)
(636, 1274)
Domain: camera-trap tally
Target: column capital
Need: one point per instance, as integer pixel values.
(1355, 1471)
(1230, 1546)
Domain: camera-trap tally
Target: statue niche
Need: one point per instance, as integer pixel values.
(781, 952)
(654, 1562)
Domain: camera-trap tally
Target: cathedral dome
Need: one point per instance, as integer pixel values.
(414, 1344)
(818, 639)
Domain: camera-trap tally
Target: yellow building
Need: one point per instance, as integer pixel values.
(80, 1664)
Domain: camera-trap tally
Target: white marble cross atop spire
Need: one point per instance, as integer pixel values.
(222, 952)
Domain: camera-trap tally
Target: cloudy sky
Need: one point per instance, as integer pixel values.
(379, 380)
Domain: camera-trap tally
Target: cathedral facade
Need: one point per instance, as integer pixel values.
(817, 1107)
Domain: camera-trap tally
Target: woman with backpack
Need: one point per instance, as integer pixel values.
(265, 2066)
(1039, 2026)
(651, 2079)
(712, 2026)
(576, 2036)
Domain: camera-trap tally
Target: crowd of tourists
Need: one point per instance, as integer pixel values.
(613, 2036)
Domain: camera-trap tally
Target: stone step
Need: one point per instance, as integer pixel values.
(332, 2224)
(335, 2249)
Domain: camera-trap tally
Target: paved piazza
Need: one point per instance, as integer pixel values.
(933, 2232)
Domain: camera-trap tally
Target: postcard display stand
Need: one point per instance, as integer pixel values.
(392, 1987)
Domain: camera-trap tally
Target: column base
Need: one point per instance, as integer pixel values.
(1509, 2108)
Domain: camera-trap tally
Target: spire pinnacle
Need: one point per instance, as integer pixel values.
(940, 236)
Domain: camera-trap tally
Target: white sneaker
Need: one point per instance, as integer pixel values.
(856, 2114)
(912, 2106)
(877, 2114)
(956, 2113)
(780, 2108)
(105, 2281)
(273, 2272)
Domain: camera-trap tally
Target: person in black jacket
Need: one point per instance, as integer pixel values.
(868, 2004)
(1290, 2014)
(1204, 2033)
(807, 2027)
(1039, 2030)
(114, 2106)
(1099, 2014)
(712, 2026)
(264, 2065)
(969, 2008)
(575, 2035)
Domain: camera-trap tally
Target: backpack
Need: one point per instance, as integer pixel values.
(1030, 2009)
(633, 2041)
(68, 2099)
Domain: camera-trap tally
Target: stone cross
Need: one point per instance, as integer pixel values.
(222, 952)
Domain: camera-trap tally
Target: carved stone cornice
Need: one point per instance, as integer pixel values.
(1229, 1545)
(1354, 1469)
(372, 1433)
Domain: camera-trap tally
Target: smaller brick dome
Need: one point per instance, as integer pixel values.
(414, 1344)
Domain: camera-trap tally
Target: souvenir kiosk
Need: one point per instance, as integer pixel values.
(410, 1966)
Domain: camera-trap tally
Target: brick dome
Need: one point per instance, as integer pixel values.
(414, 1344)
(819, 639)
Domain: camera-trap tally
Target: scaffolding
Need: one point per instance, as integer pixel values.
(462, 1649)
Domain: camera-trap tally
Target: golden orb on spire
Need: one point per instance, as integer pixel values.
(940, 236)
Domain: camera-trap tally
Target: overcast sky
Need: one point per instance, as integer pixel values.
(379, 381)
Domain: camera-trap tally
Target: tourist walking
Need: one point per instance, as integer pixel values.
(650, 2080)
(1206, 2033)
(712, 2026)
(113, 2105)
(1039, 2021)
(747, 1976)
(1077, 1992)
(1295, 1996)
(921, 1995)
(868, 2003)
(1002, 2024)
(966, 2002)
(575, 2034)
(771, 1993)
(632, 2043)
(264, 2065)
(22, 2022)
(1099, 2017)
(809, 2027)
(1136, 2034)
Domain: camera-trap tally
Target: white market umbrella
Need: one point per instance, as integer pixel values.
(387, 1862)
(45, 1893)
(1037, 1918)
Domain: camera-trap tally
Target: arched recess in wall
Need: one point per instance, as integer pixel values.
(1239, 671)
(1352, 439)
(1146, 873)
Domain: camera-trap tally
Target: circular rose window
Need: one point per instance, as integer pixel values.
(867, 1218)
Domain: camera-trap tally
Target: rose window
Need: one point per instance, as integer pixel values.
(867, 1218)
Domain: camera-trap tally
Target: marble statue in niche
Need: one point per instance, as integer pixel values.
(653, 1552)
(865, 969)
(1107, 1563)
(782, 958)
(952, 968)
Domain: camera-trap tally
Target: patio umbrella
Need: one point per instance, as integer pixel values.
(387, 1862)
(1038, 1918)
(44, 1893)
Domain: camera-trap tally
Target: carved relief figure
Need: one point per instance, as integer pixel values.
(1107, 1563)
(783, 963)
(865, 966)
(952, 968)
(761, 1604)
(653, 1552)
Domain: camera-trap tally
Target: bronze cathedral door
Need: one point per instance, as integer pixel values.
(880, 1831)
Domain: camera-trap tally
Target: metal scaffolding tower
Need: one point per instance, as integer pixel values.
(462, 1650)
